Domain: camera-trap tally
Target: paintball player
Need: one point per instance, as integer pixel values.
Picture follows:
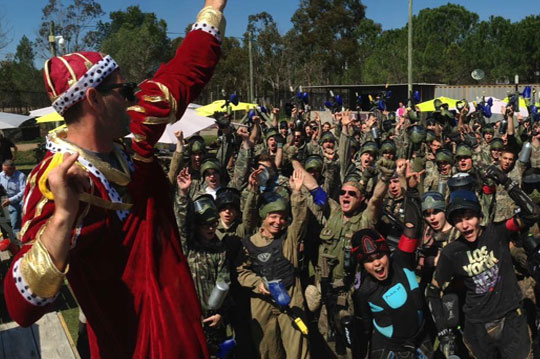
(334, 273)
(494, 318)
(206, 255)
(389, 300)
(272, 255)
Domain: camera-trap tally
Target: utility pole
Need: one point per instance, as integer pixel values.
(409, 62)
(251, 97)
(52, 39)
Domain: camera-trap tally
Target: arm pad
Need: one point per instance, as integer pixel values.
(530, 213)
(433, 297)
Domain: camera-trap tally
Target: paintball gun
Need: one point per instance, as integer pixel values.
(336, 105)
(282, 299)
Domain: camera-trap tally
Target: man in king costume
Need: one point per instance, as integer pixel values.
(103, 219)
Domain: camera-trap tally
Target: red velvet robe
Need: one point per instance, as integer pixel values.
(131, 278)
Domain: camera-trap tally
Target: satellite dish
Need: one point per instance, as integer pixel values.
(478, 74)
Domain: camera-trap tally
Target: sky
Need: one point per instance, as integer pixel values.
(23, 17)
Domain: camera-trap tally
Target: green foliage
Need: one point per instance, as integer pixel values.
(137, 41)
(72, 22)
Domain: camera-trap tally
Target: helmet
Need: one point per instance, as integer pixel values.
(444, 155)
(228, 196)
(205, 210)
(271, 132)
(370, 147)
(283, 124)
(433, 200)
(488, 129)
(388, 146)
(367, 242)
(461, 181)
(417, 134)
(314, 162)
(463, 150)
(462, 200)
(271, 202)
(196, 144)
(496, 144)
(209, 163)
(327, 136)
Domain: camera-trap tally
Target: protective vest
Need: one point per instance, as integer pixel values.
(269, 261)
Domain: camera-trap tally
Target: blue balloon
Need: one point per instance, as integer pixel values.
(416, 96)
(305, 97)
(252, 113)
(527, 92)
(234, 99)
(339, 100)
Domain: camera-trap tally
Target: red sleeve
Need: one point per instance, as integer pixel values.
(36, 212)
(407, 245)
(512, 225)
(177, 83)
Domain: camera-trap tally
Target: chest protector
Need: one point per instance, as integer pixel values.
(269, 261)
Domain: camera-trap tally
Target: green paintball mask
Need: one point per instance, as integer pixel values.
(433, 200)
(205, 211)
(271, 202)
(417, 134)
(388, 146)
(531, 184)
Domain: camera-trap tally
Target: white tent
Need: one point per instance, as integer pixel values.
(11, 120)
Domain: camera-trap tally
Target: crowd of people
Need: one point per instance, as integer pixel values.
(390, 235)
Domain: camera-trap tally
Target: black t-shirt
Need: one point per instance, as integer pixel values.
(487, 272)
(393, 307)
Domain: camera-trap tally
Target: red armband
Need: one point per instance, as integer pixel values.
(407, 245)
(512, 225)
(489, 189)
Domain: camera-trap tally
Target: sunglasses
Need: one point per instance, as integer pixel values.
(127, 90)
(350, 193)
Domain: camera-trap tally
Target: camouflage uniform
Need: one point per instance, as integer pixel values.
(240, 313)
(505, 207)
(273, 330)
(207, 261)
(535, 157)
(335, 281)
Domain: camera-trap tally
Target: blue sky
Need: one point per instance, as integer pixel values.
(23, 17)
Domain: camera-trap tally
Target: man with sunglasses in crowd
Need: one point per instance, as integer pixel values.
(104, 220)
(334, 275)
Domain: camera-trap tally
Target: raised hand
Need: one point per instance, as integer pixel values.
(66, 182)
(184, 180)
(296, 180)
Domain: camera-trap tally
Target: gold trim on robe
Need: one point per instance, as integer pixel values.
(39, 271)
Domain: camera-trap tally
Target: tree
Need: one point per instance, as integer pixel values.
(269, 54)
(4, 32)
(325, 32)
(137, 41)
(72, 22)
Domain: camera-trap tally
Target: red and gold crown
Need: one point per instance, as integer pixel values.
(68, 77)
